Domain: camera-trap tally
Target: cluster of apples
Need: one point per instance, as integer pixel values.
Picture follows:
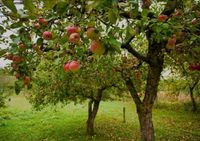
(73, 34)
(74, 37)
(16, 60)
(41, 22)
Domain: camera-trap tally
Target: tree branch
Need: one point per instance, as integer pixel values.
(133, 92)
(194, 85)
(127, 46)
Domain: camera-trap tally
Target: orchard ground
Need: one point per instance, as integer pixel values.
(19, 122)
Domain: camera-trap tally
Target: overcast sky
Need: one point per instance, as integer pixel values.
(4, 62)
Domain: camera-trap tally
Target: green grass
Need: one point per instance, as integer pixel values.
(19, 122)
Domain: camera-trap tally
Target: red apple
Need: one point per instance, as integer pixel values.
(47, 35)
(96, 47)
(72, 29)
(74, 38)
(27, 80)
(171, 42)
(42, 21)
(92, 33)
(66, 67)
(162, 18)
(74, 66)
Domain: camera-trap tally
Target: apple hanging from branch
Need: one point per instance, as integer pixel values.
(171, 42)
(75, 38)
(162, 18)
(42, 21)
(47, 35)
(96, 47)
(72, 66)
(72, 29)
(92, 33)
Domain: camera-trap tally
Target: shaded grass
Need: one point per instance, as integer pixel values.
(19, 122)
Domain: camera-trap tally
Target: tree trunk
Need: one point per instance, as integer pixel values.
(93, 107)
(194, 105)
(144, 107)
(90, 120)
(146, 124)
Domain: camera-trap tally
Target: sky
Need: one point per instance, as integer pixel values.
(4, 62)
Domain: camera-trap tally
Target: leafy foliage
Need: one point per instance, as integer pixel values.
(53, 85)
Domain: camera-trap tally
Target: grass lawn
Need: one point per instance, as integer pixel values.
(19, 122)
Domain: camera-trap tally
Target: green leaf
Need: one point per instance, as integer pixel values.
(115, 44)
(16, 25)
(10, 4)
(28, 5)
(61, 7)
(2, 52)
(49, 4)
(39, 41)
(112, 16)
(2, 30)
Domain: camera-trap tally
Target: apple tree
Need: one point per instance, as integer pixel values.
(187, 70)
(95, 80)
(46, 27)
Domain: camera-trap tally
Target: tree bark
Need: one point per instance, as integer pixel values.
(146, 124)
(93, 107)
(144, 107)
(194, 105)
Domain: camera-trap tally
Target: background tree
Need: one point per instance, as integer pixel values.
(189, 74)
(97, 80)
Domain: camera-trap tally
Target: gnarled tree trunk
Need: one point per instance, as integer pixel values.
(93, 107)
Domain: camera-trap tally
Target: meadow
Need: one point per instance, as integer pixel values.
(20, 122)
